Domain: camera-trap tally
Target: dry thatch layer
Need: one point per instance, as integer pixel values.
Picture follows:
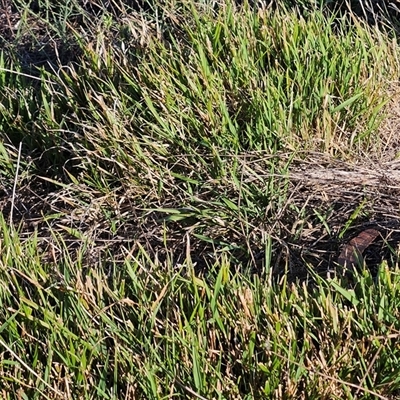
(360, 197)
(328, 204)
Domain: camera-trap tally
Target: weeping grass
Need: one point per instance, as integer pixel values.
(172, 121)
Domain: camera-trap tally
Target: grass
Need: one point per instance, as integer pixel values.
(154, 242)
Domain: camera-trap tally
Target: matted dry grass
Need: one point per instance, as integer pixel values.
(327, 203)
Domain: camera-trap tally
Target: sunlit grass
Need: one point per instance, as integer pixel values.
(146, 194)
(153, 330)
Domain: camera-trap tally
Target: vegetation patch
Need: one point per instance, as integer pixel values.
(197, 200)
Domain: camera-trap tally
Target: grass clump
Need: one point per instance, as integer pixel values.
(215, 82)
(156, 330)
(257, 86)
(154, 242)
